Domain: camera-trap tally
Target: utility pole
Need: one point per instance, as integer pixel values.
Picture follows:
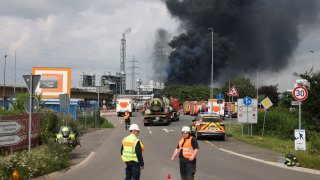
(161, 56)
(211, 84)
(15, 72)
(122, 64)
(4, 80)
(133, 73)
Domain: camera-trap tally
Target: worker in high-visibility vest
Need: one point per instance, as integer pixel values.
(187, 149)
(131, 153)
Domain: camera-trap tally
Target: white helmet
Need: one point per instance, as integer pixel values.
(186, 129)
(134, 127)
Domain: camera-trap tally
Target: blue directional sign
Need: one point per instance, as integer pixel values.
(220, 96)
(247, 101)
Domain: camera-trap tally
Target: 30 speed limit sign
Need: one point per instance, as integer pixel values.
(300, 93)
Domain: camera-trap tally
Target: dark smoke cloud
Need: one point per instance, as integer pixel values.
(248, 34)
(160, 54)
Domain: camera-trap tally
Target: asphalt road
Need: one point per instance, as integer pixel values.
(160, 141)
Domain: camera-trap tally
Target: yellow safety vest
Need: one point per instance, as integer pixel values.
(129, 148)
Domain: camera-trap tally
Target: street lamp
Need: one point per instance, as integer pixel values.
(4, 80)
(211, 88)
(312, 57)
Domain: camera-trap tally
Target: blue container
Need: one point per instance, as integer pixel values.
(55, 105)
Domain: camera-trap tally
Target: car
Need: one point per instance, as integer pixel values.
(208, 125)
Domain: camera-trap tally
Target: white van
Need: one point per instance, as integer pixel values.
(122, 105)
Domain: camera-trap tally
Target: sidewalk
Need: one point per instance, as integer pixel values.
(89, 143)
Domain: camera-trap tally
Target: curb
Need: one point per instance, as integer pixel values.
(64, 171)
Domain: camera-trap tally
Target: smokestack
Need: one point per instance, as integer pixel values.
(248, 34)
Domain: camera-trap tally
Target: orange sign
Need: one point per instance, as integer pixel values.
(53, 81)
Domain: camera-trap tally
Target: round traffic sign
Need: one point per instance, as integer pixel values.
(300, 93)
(220, 96)
(34, 104)
(247, 101)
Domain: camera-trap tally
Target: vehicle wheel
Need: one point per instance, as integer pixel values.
(223, 138)
(146, 124)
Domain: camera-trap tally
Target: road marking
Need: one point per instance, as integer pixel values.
(150, 131)
(167, 130)
(211, 143)
(294, 168)
(67, 170)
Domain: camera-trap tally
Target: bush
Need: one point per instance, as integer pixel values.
(41, 160)
(51, 122)
(280, 122)
(314, 141)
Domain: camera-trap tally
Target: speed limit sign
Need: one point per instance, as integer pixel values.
(300, 93)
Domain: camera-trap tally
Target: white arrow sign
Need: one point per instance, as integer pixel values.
(9, 127)
(167, 130)
(9, 140)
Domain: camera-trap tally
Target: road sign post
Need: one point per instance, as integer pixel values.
(247, 101)
(266, 103)
(300, 93)
(32, 82)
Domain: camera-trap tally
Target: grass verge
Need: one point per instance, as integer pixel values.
(285, 146)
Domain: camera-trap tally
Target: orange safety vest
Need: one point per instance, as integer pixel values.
(187, 147)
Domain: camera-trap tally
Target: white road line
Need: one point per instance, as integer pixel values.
(67, 170)
(150, 131)
(301, 169)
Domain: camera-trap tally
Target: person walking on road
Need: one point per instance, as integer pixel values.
(127, 119)
(131, 153)
(187, 149)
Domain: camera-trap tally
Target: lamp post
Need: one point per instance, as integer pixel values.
(312, 58)
(211, 85)
(4, 80)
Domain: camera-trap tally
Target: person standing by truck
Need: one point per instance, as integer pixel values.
(126, 119)
(187, 149)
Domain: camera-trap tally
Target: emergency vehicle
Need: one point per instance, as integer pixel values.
(186, 107)
(207, 125)
(216, 106)
(230, 108)
(123, 105)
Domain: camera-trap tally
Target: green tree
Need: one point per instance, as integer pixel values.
(285, 99)
(243, 85)
(271, 91)
(311, 106)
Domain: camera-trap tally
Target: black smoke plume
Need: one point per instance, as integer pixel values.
(247, 34)
(160, 54)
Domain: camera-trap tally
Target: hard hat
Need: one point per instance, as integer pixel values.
(134, 127)
(65, 129)
(186, 129)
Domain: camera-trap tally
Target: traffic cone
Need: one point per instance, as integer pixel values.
(169, 177)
